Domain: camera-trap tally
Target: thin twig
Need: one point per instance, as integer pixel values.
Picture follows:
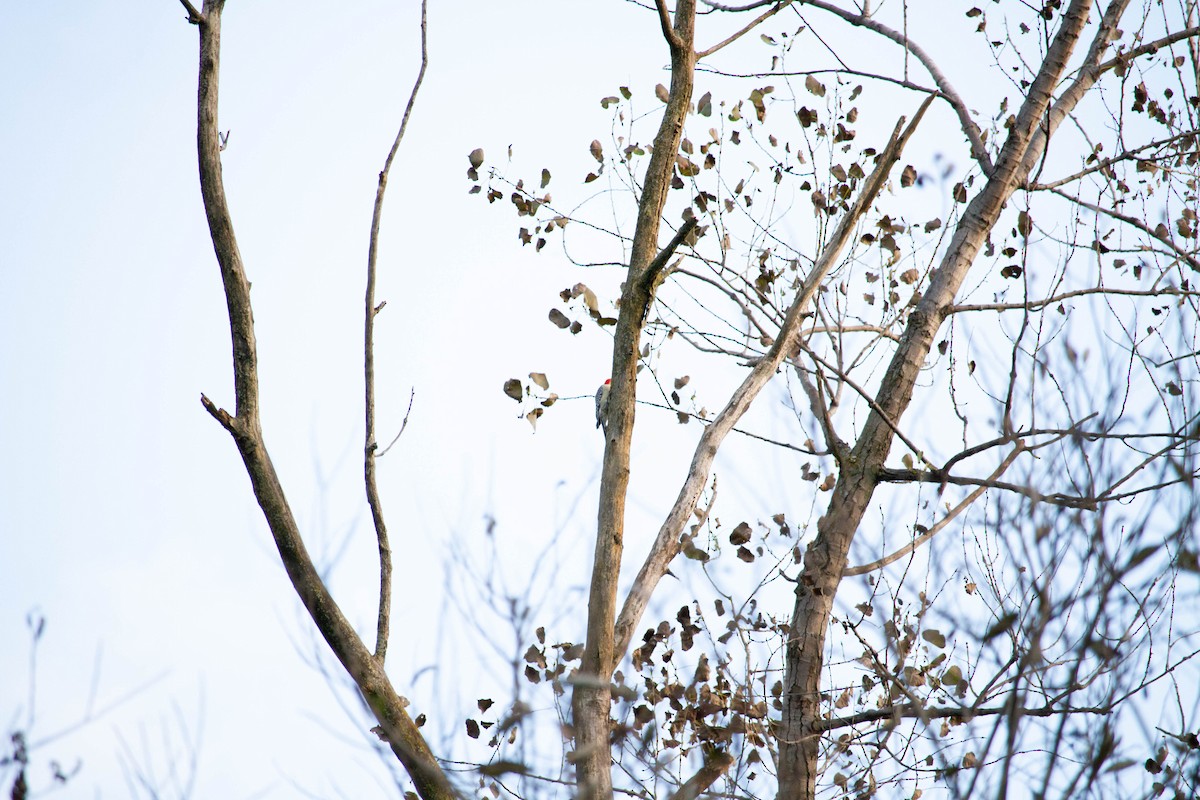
(1058, 433)
(704, 421)
(736, 9)
(383, 619)
(404, 424)
(1033, 305)
(858, 73)
(1134, 222)
(922, 711)
(1105, 163)
(820, 409)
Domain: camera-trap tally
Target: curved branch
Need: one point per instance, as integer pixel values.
(889, 475)
(737, 9)
(1105, 163)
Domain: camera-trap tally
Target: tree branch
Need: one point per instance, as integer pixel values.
(825, 557)
(383, 618)
(412, 395)
(653, 276)
(1105, 163)
(965, 713)
(664, 19)
(1134, 222)
(889, 475)
(592, 696)
(715, 765)
(194, 16)
(903, 83)
(245, 427)
(1033, 305)
(1150, 48)
(737, 9)
(874, 406)
(780, 5)
(1088, 74)
(820, 410)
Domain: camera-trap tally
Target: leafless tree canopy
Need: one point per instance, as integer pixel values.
(991, 368)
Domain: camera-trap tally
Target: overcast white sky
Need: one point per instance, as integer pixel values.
(125, 516)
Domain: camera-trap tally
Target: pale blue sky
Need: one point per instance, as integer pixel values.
(125, 516)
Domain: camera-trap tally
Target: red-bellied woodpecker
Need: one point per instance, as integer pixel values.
(602, 405)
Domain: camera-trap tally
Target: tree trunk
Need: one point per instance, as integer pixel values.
(592, 695)
(825, 559)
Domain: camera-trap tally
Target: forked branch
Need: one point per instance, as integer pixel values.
(245, 426)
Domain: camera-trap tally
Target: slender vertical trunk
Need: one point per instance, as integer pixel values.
(592, 695)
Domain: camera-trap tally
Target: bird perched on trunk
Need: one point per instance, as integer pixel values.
(602, 405)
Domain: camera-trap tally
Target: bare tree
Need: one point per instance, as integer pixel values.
(1022, 371)
(1083, 363)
